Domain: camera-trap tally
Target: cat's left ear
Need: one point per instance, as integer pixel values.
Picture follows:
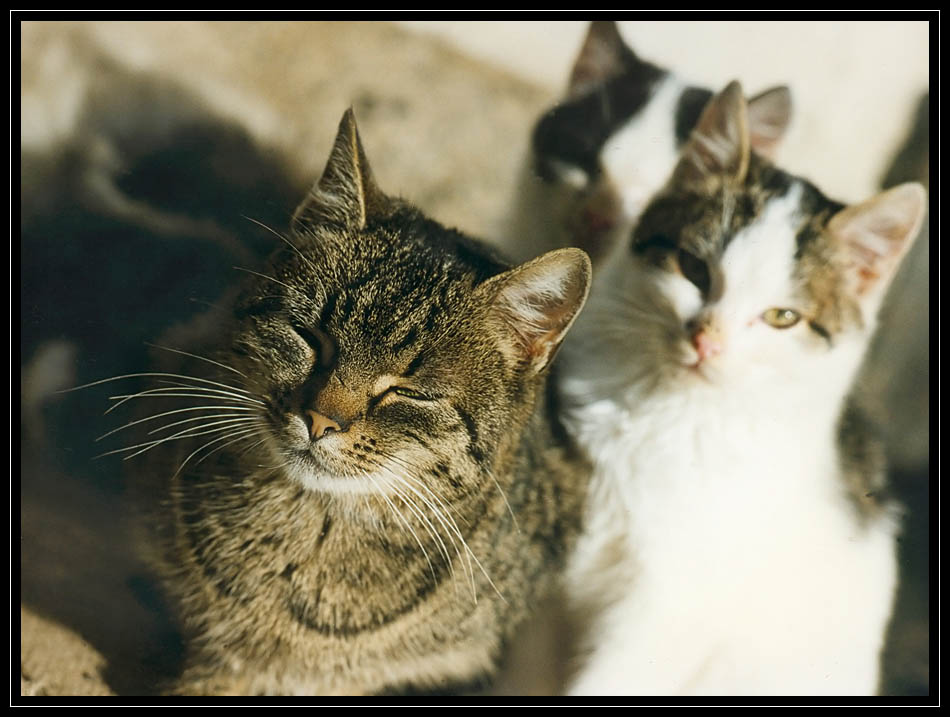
(875, 235)
(535, 304)
(346, 195)
(718, 148)
(603, 55)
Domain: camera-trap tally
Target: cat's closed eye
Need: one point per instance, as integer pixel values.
(409, 393)
(318, 341)
(394, 392)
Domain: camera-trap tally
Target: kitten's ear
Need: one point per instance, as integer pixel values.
(875, 235)
(719, 146)
(769, 115)
(346, 195)
(536, 303)
(603, 55)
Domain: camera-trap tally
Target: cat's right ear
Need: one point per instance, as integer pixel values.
(535, 304)
(718, 148)
(874, 237)
(769, 115)
(346, 196)
(603, 55)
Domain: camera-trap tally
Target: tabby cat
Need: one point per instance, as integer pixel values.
(363, 489)
(598, 156)
(738, 537)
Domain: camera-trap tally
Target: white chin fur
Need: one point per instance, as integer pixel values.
(374, 483)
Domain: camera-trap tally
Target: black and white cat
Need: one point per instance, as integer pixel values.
(734, 543)
(597, 157)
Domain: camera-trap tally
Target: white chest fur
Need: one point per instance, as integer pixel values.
(722, 556)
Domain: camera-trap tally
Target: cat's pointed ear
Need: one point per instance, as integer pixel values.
(603, 55)
(718, 148)
(346, 195)
(875, 235)
(535, 304)
(769, 115)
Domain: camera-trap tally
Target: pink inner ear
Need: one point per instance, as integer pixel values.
(877, 233)
(869, 263)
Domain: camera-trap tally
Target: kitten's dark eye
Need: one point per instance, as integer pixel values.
(781, 318)
(657, 242)
(694, 269)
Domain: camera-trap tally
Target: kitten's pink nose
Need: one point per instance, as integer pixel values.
(321, 425)
(597, 222)
(706, 344)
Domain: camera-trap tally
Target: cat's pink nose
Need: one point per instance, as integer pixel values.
(706, 344)
(321, 425)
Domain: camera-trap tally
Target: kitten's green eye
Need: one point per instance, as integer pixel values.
(781, 318)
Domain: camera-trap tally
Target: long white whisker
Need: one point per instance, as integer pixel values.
(413, 471)
(195, 418)
(178, 393)
(241, 435)
(405, 523)
(431, 528)
(153, 374)
(177, 386)
(186, 433)
(417, 512)
(465, 544)
(446, 521)
(200, 358)
(282, 238)
(278, 281)
(504, 498)
(210, 443)
(442, 515)
(169, 413)
(255, 445)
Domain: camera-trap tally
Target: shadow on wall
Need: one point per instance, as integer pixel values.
(130, 226)
(897, 372)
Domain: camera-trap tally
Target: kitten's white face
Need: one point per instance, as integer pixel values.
(739, 279)
(652, 327)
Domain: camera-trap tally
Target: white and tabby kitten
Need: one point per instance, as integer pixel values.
(598, 157)
(734, 544)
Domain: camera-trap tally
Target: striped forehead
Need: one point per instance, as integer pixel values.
(381, 303)
(760, 259)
